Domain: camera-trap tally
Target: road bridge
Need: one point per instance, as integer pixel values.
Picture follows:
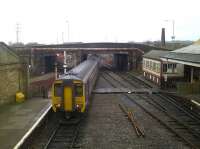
(43, 57)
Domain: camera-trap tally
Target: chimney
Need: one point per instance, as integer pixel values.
(163, 38)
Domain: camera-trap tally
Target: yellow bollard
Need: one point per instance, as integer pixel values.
(19, 96)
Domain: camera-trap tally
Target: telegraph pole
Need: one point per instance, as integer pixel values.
(17, 32)
(67, 30)
(65, 54)
(63, 37)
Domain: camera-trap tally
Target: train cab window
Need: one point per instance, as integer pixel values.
(78, 90)
(58, 90)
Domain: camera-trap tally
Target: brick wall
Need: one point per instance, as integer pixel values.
(11, 80)
(12, 75)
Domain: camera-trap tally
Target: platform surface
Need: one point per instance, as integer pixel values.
(16, 119)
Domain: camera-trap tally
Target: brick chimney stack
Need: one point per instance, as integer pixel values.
(163, 38)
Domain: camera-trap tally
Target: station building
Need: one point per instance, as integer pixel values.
(189, 57)
(159, 71)
(12, 74)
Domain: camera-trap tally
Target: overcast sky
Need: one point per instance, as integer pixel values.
(45, 21)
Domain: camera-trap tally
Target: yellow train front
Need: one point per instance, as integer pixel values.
(71, 91)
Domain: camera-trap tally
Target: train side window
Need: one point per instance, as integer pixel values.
(78, 90)
(58, 90)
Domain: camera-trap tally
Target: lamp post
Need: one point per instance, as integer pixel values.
(67, 30)
(65, 54)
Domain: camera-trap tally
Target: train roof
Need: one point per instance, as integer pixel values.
(80, 72)
(69, 76)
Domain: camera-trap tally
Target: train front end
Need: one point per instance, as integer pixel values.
(68, 96)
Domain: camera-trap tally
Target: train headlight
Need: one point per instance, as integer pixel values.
(78, 107)
(58, 105)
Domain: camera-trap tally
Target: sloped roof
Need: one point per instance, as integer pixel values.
(187, 57)
(7, 48)
(192, 49)
(156, 54)
(7, 55)
(188, 54)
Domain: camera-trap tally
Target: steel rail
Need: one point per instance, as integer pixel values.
(194, 133)
(51, 137)
(164, 123)
(59, 127)
(138, 80)
(173, 102)
(30, 131)
(154, 116)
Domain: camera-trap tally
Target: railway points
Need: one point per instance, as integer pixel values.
(188, 132)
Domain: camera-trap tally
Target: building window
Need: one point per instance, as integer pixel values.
(147, 64)
(174, 68)
(154, 66)
(144, 63)
(157, 67)
(169, 68)
(164, 68)
(151, 65)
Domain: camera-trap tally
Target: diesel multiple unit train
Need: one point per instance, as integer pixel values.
(71, 91)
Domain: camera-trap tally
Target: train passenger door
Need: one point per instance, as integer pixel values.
(68, 98)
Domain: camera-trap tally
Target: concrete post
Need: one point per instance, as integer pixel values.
(28, 81)
(130, 59)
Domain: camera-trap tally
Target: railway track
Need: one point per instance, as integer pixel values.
(137, 82)
(176, 102)
(182, 124)
(65, 135)
(56, 133)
